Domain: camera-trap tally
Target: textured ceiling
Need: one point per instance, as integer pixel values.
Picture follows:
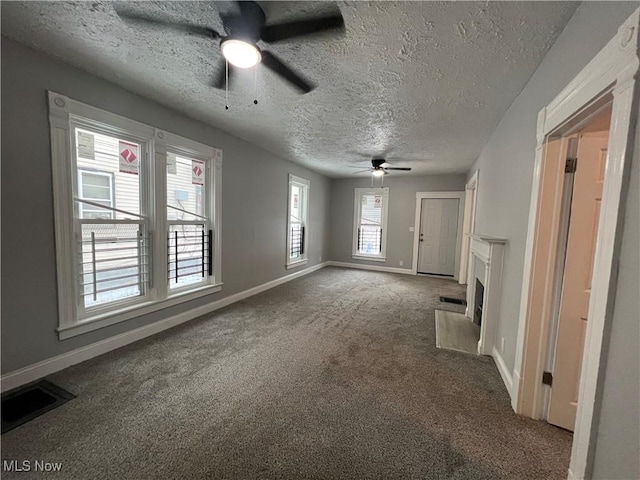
(424, 83)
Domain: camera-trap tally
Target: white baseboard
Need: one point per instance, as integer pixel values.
(504, 371)
(377, 268)
(46, 367)
(515, 390)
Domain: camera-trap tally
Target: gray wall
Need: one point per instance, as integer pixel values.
(506, 162)
(402, 208)
(617, 454)
(254, 196)
(506, 171)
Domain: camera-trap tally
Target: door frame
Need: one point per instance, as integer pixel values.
(558, 247)
(612, 72)
(416, 225)
(468, 227)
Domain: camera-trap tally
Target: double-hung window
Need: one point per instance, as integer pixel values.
(137, 216)
(189, 226)
(298, 208)
(111, 221)
(370, 223)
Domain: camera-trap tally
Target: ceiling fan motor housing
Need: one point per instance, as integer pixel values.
(246, 26)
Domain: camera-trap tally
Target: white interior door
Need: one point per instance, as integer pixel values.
(576, 284)
(438, 235)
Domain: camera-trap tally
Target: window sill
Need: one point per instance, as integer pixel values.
(104, 320)
(297, 263)
(370, 258)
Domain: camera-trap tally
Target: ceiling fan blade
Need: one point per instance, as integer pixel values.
(284, 31)
(179, 26)
(274, 64)
(406, 169)
(219, 80)
(368, 170)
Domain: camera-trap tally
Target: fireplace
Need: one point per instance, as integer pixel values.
(483, 288)
(479, 301)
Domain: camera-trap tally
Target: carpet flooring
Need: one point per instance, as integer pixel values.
(333, 375)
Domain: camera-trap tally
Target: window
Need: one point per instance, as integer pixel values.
(142, 206)
(113, 244)
(96, 188)
(298, 206)
(370, 223)
(188, 219)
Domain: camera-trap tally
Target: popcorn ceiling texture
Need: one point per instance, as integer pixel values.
(422, 83)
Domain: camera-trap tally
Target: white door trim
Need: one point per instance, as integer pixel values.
(469, 222)
(613, 70)
(416, 233)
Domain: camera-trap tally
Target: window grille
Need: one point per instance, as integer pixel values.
(115, 261)
(369, 239)
(297, 239)
(189, 253)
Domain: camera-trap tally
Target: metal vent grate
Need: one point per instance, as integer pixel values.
(26, 403)
(457, 301)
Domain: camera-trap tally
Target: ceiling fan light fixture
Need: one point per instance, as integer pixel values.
(378, 172)
(240, 53)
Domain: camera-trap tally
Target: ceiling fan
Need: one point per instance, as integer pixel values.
(380, 167)
(243, 30)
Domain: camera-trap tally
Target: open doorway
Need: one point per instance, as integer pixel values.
(580, 190)
(572, 175)
(609, 81)
(468, 227)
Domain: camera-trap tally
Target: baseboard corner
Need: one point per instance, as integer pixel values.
(503, 370)
(515, 390)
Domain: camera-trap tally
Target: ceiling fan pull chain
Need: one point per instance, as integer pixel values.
(255, 80)
(226, 83)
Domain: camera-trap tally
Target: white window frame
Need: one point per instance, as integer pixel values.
(357, 211)
(133, 133)
(184, 148)
(65, 115)
(112, 190)
(304, 186)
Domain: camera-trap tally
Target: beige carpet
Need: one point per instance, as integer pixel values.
(334, 375)
(456, 332)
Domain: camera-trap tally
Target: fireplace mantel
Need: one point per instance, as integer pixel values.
(488, 250)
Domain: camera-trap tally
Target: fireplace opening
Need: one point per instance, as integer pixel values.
(479, 301)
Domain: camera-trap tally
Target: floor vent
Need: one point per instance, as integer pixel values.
(457, 301)
(26, 403)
